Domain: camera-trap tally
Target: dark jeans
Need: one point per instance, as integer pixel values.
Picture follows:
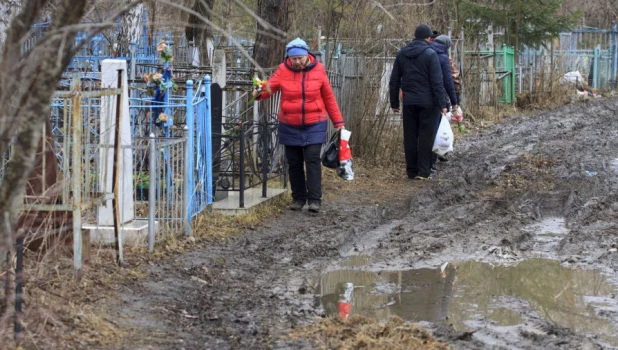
(299, 158)
(434, 156)
(418, 135)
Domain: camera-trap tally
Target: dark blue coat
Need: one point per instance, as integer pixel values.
(447, 75)
(418, 74)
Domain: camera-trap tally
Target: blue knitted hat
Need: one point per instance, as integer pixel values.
(297, 47)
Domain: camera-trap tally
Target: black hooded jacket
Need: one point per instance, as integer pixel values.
(418, 74)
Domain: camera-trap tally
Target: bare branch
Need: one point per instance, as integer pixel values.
(218, 29)
(379, 5)
(409, 4)
(260, 21)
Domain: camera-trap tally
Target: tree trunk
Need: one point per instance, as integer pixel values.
(153, 17)
(200, 32)
(8, 10)
(269, 47)
(130, 29)
(28, 80)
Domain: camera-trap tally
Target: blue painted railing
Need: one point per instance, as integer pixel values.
(198, 122)
(195, 106)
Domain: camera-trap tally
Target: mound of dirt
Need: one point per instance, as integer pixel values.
(361, 333)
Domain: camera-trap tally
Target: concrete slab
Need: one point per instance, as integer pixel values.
(253, 199)
(133, 233)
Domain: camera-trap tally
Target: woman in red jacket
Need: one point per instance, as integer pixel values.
(307, 100)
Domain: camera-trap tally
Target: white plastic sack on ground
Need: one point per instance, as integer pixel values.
(573, 77)
(444, 138)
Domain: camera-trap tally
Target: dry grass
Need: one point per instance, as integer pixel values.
(219, 226)
(371, 184)
(485, 116)
(557, 96)
(361, 333)
(61, 313)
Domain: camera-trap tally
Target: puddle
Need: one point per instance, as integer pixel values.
(472, 293)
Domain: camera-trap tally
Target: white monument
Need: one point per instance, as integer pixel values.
(131, 231)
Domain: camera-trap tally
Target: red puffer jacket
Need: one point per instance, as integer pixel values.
(307, 100)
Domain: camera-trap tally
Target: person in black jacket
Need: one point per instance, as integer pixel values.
(441, 44)
(417, 73)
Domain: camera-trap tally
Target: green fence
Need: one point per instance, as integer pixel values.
(503, 61)
(508, 62)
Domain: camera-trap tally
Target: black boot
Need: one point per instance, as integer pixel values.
(297, 204)
(314, 207)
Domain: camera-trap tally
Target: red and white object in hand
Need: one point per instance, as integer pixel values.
(457, 115)
(346, 167)
(345, 152)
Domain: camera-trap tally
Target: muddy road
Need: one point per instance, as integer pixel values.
(511, 245)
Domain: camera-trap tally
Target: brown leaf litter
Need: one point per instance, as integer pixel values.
(359, 332)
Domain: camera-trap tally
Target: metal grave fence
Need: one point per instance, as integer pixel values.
(185, 116)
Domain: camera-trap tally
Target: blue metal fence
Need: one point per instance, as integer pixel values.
(188, 115)
(591, 51)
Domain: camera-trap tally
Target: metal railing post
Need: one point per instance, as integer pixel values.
(264, 158)
(133, 55)
(505, 62)
(190, 151)
(152, 181)
(208, 131)
(613, 52)
(241, 196)
(521, 81)
(595, 67)
(186, 193)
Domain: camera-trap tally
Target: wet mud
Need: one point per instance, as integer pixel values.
(513, 244)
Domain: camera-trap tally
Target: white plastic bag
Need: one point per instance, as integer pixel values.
(444, 138)
(572, 77)
(346, 169)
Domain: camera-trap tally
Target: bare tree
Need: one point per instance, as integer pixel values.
(27, 83)
(599, 13)
(269, 43)
(8, 9)
(131, 27)
(198, 29)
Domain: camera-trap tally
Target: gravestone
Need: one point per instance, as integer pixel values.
(103, 230)
(216, 96)
(106, 152)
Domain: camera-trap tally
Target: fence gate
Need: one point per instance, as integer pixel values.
(498, 63)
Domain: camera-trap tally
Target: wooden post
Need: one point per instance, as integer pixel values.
(116, 176)
(76, 173)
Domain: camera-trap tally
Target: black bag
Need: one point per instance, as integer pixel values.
(330, 157)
